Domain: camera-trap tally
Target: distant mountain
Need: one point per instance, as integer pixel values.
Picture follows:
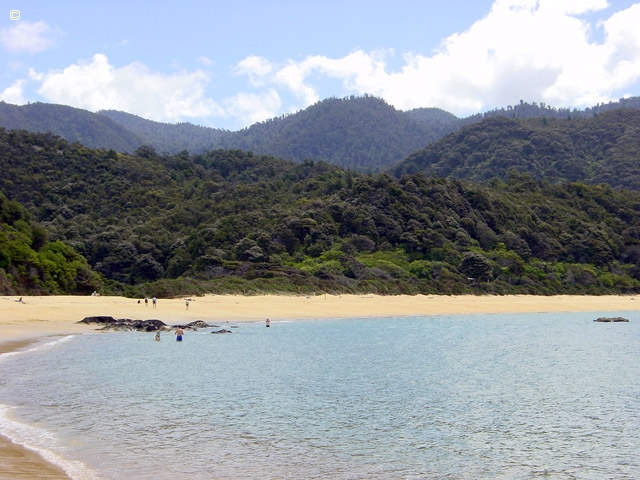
(600, 149)
(72, 124)
(170, 137)
(535, 110)
(439, 122)
(358, 133)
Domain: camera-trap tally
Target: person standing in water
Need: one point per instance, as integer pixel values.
(267, 322)
(179, 333)
(158, 336)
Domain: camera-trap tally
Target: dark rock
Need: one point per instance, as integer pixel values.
(148, 325)
(197, 324)
(111, 323)
(611, 319)
(224, 330)
(101, 319)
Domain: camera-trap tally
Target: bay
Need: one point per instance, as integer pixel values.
(447, 397)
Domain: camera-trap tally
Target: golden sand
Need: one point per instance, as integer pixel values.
(35, 317)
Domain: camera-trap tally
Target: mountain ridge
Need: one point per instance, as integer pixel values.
(360, 133)
(602, 149)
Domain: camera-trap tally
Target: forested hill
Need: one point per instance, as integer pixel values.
(230, 221)
(601, 149)
(73, 124)
(170, 137)
(360, 133)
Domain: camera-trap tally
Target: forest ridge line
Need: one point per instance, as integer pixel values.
(359, 133)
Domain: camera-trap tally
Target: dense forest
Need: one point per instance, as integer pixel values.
(359, 133)
(74, 124)
(30, 263)
(233, 221)
(596, 150)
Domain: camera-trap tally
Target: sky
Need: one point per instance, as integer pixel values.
(229, 64)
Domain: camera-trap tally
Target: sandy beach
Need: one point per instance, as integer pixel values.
(23, 322)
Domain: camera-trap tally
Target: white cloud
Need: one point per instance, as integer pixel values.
(27, 37)
(523, 49)
(536, 50)
(565, 53)
(299, 77)
(204, 60)
(256, 68)
(250, 108)
(293, 77)
(98, 85)
(14, 93)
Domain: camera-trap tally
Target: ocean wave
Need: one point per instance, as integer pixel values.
(43, 443)
(39, 347)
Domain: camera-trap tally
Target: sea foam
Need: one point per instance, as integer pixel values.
(43, 443)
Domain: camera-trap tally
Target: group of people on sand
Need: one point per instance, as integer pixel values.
(154, 300)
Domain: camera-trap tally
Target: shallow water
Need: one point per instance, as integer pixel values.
(446, 397)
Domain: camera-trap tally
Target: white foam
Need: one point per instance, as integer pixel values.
(43, 443)
(41, 346)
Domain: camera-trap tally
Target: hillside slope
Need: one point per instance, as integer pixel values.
(171, 137)
(359, 133)
(73, 124)
(601, 149)
(229, 221)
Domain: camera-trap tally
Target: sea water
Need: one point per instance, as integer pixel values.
(434, 397)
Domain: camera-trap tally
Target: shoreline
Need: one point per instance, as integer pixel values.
(36, 317)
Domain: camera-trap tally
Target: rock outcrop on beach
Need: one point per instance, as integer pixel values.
(127, 324)
(611, 319)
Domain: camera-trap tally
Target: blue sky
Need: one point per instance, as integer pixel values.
(231, 64)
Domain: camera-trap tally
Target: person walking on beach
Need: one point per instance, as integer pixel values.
(153, 300)
(186, 302)
(146, 302)
(179, 333)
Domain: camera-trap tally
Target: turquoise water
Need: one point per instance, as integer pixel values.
(441, 397)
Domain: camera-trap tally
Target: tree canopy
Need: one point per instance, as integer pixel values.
(230, 220)
(30, 263)
(598, 150)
